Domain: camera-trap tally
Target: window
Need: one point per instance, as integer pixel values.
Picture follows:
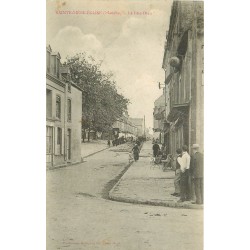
(57, 67)
(58, 107)
(48, 103)
(49, 144)
(54, 65)
(49, 140)
(69, 87)
(69, 110)
(59, 140)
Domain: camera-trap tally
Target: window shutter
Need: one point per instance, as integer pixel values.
(62, 146)
(56, 148)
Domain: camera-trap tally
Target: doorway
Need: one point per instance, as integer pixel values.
(49, 145)
(68, 144)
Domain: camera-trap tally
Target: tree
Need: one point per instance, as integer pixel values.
(102, 104)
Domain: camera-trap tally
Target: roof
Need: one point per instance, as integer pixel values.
(74, 85)
(159, 101)
(55, 53)
(48, 48)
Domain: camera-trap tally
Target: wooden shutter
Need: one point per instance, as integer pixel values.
(56, 151)
(62, 142)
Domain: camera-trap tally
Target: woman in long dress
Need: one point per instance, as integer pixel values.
(136, 151)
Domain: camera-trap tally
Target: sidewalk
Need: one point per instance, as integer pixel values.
(92, 147)
(146, 184)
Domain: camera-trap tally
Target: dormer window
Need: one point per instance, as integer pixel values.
(55, 64)
(57, 67)
(48, 61)
(48, 55)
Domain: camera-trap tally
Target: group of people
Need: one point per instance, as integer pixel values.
(120, 140)
(189, 175)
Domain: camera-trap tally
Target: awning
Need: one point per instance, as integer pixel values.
(166, 127)
(177, 111)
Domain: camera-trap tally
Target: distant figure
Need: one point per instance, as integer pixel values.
(156, 149)
(136, 151)
(109, 143)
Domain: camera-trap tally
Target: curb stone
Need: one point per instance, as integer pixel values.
(95, 153)
(153, 203)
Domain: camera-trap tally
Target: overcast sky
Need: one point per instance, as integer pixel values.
(131, 46)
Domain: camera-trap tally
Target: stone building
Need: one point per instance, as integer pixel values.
(159, 118)
(63, 114)
(138, 123)
(184, 68)
(126, 127)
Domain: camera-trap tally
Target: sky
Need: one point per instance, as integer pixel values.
(131, 45)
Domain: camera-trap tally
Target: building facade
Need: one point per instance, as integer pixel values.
(184, 68)
(63, 114)
(126, 127)
(159, 118)
(138, 123)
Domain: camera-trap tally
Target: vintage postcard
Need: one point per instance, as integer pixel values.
(124, 124)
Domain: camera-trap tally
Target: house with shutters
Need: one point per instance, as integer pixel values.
(183, 63)
(63, 114)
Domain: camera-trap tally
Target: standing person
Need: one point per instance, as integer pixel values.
(136, 151)
(184, 175)
(197, 168)
(138, 144)
(156, 149)
(186, 161)
(109, 143)
(177, 172)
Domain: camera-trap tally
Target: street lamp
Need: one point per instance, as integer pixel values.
(161, 85)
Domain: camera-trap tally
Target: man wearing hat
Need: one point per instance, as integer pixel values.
(197, 173)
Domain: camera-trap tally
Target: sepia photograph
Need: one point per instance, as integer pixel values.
(124, 124)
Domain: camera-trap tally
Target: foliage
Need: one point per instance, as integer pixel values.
(102, 104)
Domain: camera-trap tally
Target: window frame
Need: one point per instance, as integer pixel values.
(60, 107)
(59, 140)
(57, 67)
(69, 87)
(49, 101)
(54, 65)
(69, 111)
(48, 61)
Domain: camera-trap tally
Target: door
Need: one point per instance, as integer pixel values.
(69, 144)
(49, 145)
